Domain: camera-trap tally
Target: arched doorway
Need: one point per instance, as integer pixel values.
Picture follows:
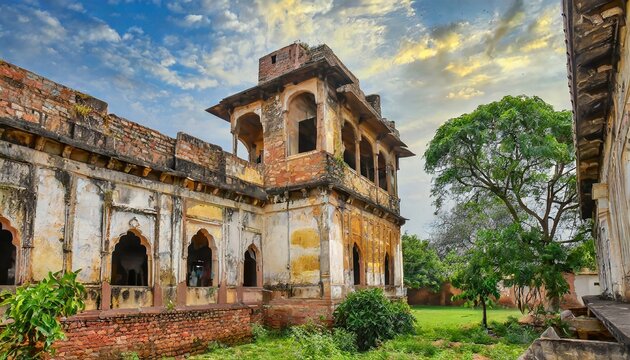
(130, 262)
(8, 255)
(250, 268)
(200, 269)
(302, 124)
(356, 264)
(249, 131)
(348, 138)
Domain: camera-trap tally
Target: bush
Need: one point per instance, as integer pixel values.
(373, 318)
(345, 340)
(313, 344)
(514, 333)
(259, 332)
(35, 311)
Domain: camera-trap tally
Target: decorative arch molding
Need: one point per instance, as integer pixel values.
(211, 244)
(143, 241)
(291, 92)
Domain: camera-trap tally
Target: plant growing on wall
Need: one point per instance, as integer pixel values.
(518, 152)
(33, 315)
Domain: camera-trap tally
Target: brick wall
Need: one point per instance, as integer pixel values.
(153, 335)
(283, 313)
(286, 59)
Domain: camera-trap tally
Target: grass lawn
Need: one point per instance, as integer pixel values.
(442, 333)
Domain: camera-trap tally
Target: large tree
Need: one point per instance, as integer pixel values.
(519, 152)
(421, 265)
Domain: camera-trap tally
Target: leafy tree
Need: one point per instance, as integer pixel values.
(478, 277)
(35, 311)
(421, 265)
(456, 229)
(517, 151)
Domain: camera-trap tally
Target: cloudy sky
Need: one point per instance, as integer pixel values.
(161, 63)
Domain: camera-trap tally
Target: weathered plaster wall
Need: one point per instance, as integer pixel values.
(98, 206)
(613, 191)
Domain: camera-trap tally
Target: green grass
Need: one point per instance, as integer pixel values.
(448, 333)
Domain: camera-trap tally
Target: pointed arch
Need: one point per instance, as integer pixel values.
(349, 141)
(367, 158)
(131, 260)
(302, 123)
(251, 267)
(202, 260)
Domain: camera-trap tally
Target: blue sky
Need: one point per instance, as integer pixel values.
(162, 62)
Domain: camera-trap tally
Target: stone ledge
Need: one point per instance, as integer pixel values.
(614, 315)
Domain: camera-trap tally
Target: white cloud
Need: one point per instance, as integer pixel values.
(97, 32)
(464, 93)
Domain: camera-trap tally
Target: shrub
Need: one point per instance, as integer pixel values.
(345, 340)
(313, 344)
(514, 333)
(35, 311)
(259, 332)
(373, 318)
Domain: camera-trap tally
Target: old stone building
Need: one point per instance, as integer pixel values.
(155, 222)
(598, 60)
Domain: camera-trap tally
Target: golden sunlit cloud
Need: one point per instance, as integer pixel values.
(510, 63)
(464, 93)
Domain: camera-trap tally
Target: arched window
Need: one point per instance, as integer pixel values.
(367, 159)
(348, 138)
(302, 124)
(356, 264)
(392, 179)
(130, 262)
(249, 131)
(8, 254)
(200, 269)
(250, 268)
(382, 171)
(387, 273)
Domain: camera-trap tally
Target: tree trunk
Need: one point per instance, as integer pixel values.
(485, 318)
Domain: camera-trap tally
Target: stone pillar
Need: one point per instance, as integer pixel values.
(357, 155)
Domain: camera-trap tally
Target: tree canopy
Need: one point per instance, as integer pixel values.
(517, 152)
(422, 267)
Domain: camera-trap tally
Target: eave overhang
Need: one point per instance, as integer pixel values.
(592, 30)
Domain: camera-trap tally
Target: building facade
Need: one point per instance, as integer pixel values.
(598, 60)
(155, 222)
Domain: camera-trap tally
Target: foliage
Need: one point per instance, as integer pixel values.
(373, 318)
(456, 230)
(515, 333)
(519, 152)
(443, 333)
(478, 278)
(130, 356)
(583, 256)
(34, 311)
(421, 265)
(82, 110)
(345, 340)
(259, 332)
(215, 345)
(314, 342)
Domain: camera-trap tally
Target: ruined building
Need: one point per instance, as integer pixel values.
(156, 222)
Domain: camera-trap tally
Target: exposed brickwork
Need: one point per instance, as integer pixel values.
(286, 59)
(44, 108)
(153, 335)
(280, 314)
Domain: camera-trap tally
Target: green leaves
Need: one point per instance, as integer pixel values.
(373, 318)
(34, 311)
(421, 265)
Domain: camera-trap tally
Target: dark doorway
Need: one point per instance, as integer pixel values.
(367, 159)
(307, 132)
(130, 262)
(382, 172)
(7, 258)
(387, 279)
(199, 262)
(349, 148)
(356, 265)
(250, 274)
